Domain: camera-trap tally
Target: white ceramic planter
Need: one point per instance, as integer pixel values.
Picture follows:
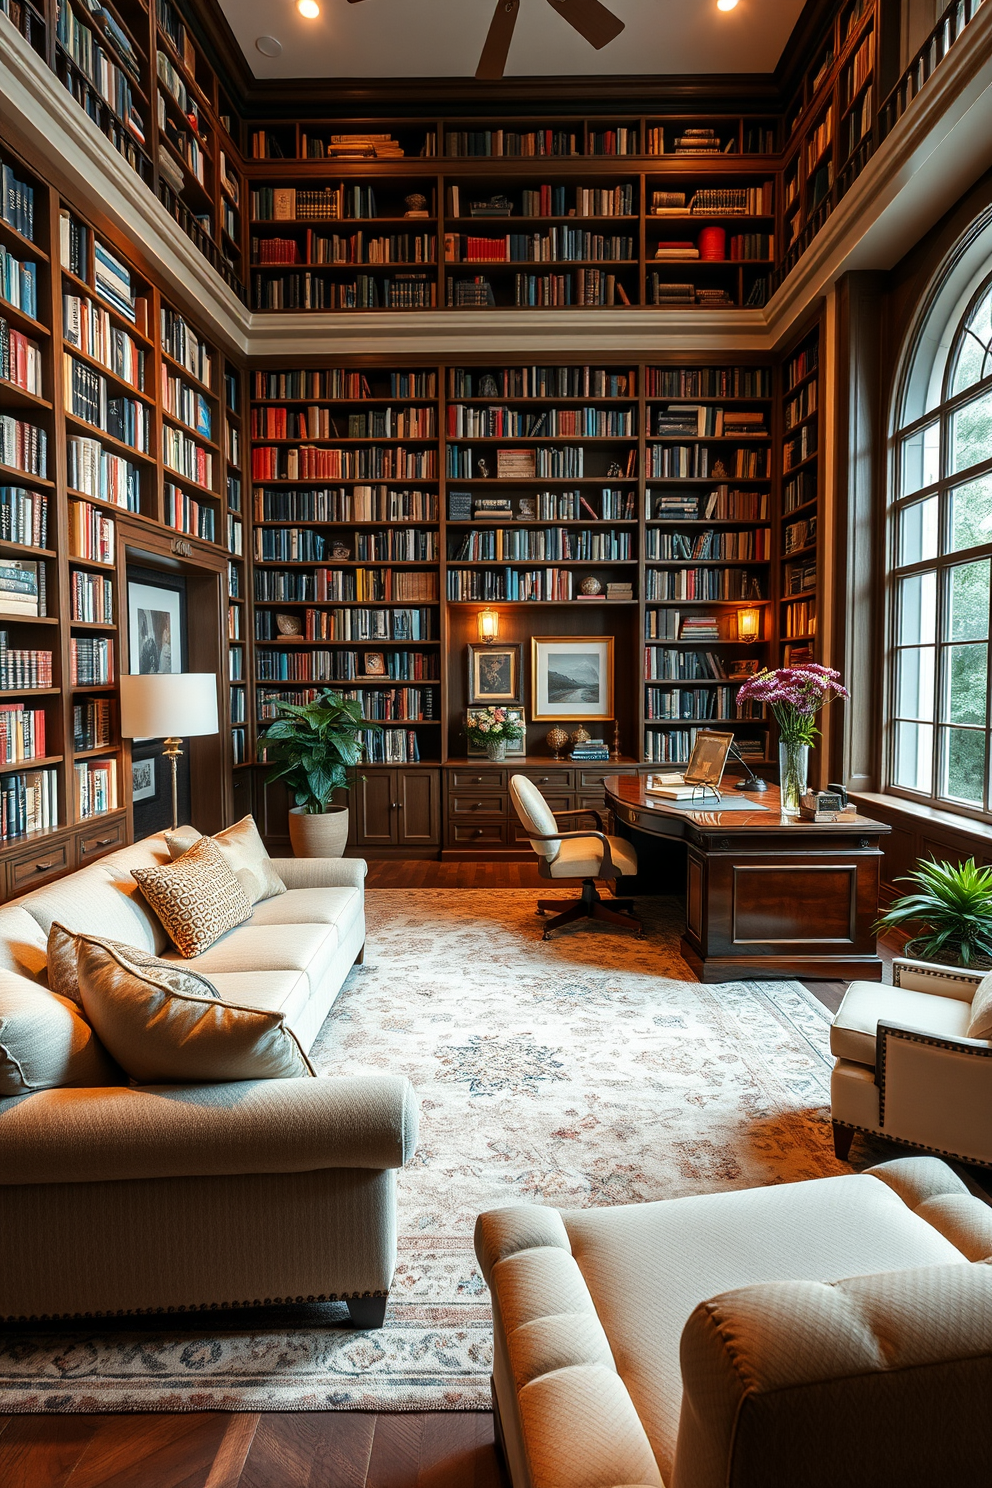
(320, 835)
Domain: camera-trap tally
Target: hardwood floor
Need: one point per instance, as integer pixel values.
(337, 1449)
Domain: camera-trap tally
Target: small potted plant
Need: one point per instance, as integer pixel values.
(492, 729)
(951, 910)
(311, 747)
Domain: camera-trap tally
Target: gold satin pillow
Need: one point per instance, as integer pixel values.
(197, 898)
(46, 1043)
(63, 978)
(162, 1036)
(243, 851)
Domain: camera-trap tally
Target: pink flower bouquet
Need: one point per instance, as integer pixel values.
(795, 696)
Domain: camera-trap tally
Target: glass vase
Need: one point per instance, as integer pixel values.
(793, 773)
(496, 749)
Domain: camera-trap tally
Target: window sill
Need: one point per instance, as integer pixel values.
(871, 803)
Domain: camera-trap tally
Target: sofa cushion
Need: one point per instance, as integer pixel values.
(63, 976)
(302, 948)
(103, 899)
(338, 907)
(855, 1027)
(45, 1042)
(160, 1034)
(647, 1266)
(23, 943)
(286, 992)
(197, 898)
(980, 1023)
(243, 851)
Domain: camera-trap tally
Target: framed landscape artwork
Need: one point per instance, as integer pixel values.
(571, 677)
(494, 674)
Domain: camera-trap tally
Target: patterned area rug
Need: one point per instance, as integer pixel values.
(587, 1070)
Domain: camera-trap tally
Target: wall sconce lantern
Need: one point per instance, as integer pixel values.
(488, 626)
(749, 626)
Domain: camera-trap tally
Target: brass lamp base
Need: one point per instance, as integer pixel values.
(172, 751)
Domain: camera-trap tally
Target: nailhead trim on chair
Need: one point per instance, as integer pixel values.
(876, 1131)
(934, 1042)
(54, 1317)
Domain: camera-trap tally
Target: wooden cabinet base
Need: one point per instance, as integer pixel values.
(781, 968)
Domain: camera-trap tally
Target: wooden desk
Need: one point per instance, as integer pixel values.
(766, 895)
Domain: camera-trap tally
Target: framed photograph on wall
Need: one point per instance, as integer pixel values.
(143, 786)
(494, 674)
(155, 638)
(515, 748)
(571, 678)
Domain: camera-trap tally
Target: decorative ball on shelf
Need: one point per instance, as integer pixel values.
(416, 205)
(581, 735)
(289, 625)
(557, 739)
(591, 586)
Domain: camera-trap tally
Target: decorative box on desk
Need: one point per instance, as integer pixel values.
(479, 819)
(765, 895)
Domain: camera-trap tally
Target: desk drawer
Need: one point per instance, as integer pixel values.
(592, 775)
(557, 777)
(479, 834)
(38, 865)
(477, 804)
(96, 841)
(476, 777)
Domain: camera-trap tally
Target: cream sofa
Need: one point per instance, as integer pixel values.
(827, 1334)
(125, 1199)
(905, 1067)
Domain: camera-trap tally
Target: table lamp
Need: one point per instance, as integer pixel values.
(172, 706)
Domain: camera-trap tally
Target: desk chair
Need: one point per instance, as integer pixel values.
(584, 855)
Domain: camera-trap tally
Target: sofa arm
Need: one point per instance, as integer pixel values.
(321, 873)
(940, 981)
(935, 1091)
(171, 1131)
(877, 1380)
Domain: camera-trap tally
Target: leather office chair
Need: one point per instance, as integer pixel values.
(585, 855)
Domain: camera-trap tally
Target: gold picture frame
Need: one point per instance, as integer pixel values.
(494, 674)
(571, 677)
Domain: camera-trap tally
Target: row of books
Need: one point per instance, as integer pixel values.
(708, 382)
(359, 504)
(707, 421)
(545, 506)
(559, 245)
(719, 505)
(802, 364)
(239, 746)
(91, 724)
(517, 544)
(550, 461)
(357, 248)
(350, 586)
(509, 585)
(91, 533)
(298, 204)
(95, 471)
(673, 625)
(184, 514)
(801, 406)
(496, 422)
(582, 287)
(550, 201)
(799, 535)
(800, 490)
(28, 804)
(23, 516)
(19, 282)
(238, 705)
(88, 327)
(674, 746)
(701, 584)
(403, 624)
(664, 292)
(16, 201)
(91, 661)
(800, 578)
(235, 535)
(23, 669)
(348, 666)
(397, 545)
(698, 461)
(514, 143)
(86, 396)
(310, 291)
(541, 382)
(22, 588)
(20, 359)
(353, 147)
(185, 403)
(23, 446)
(752, 545)
(95, 788)
(718, 201)
(661, 703)
(390, 747)
(799, 448)
(275, 422)
(22, 734)
(100, 67)
(181, 453)
(310, 462)
(664, 665)
(91, 597)
(186, 347)
(338, 383)
(112, 281)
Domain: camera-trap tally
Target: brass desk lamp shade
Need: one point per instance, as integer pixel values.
(172, 706)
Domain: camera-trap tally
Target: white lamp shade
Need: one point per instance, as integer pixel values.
(169, 705)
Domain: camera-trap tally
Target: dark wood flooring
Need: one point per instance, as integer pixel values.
(336, 1449)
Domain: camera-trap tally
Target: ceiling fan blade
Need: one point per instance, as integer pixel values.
(592, 20)
(497, 47)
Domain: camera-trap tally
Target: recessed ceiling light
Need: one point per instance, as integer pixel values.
(726, 4)
(268, 46)
(308, 8)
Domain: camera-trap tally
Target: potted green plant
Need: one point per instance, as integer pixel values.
(311, 748)
(492, 729)
(951, 910)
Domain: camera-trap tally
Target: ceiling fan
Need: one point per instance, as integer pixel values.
(591, 19)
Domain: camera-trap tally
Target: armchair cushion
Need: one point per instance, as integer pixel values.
(980, 1025)
(582, 857)
(536, 816)
(854, 1031)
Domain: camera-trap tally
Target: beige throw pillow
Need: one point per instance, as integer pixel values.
(980, 1026)
(197, 898)
(164, 1036)
(46, 1043)
(63, 978)
(243, 851)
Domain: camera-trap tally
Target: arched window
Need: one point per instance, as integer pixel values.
(940, 697)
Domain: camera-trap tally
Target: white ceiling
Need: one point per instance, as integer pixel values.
(443, 38)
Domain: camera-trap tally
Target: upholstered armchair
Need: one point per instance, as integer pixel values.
(583, 856)
(909, 1066)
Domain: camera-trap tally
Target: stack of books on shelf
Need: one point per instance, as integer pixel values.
(23, 517)
(91, 724)
(22, 587)
(95, 788)
(20, 359)
(702, 142)
(91, 534)
(91, 597)
(28, 803)
(22, 734)
(622, 592)
(351, 147)
(19, 282)
(470, 292)
(676, 251)
(112, 281)
(22, 670)
(590, 749)
(697, 627)
(91, 661)
(492, 508)
(94, 471)
(16, 202)
(23, 446)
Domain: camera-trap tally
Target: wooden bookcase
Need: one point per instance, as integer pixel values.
(800, 552)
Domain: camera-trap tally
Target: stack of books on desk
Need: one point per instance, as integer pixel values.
(591, 749)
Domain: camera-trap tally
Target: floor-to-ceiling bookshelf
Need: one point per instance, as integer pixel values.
(800, 550)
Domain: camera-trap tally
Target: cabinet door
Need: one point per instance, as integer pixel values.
(418, 797)
(374, 796)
